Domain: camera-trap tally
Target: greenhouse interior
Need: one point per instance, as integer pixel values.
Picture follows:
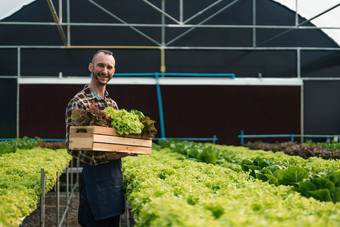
(228, 109)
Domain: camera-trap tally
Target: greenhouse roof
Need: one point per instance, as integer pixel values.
(9, 7)
(311, 8)
(329, 21)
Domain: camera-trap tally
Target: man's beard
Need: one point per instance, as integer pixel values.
(96, 75)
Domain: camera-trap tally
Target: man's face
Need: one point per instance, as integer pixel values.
(102, 68)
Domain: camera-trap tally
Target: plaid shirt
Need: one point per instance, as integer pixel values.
(83, 100)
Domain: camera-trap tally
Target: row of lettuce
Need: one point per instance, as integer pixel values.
(333, 145)
(305, 150)
(26, 143)
(11, 146)
(20, 173)
(193, 184)
(324, 186)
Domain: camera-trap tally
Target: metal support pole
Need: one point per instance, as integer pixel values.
(57, 21)
(302, 111)
(163, 22)
(18, 89)
(298, 62)
(42, 198)
(254, 23)
(57, 199)
(181, 11)
(296, 13)
(68, 21)
(128, 216)
(60, 11)
(67, 191)
(18, 61)
(162, 54)
(72, 173)
(77, 178)
(18, 106)
(160, 106)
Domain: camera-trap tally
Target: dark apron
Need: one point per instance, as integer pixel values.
(103, 185)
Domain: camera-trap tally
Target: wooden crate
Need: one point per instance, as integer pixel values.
(98, 138)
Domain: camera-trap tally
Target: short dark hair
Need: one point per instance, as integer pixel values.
(107, 52)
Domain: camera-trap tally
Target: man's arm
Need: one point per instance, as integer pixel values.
(88, 157)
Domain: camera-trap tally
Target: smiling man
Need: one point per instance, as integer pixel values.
(102, 68)
(101, 200)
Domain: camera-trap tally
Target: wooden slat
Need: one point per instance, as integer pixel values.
(81, 130)
(121, 148)
(79, 143)
(121, 140)
(98, 138)
(103, 131)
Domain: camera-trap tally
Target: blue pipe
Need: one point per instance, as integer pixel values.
(158, 88)
(54, 140)
(160, 106)
(232, 75)
(214, 139)
(134, 74)
(292, 136)
(266, 136)
(242, 137)
(47, 140)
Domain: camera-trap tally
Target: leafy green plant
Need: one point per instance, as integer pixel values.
(332, 145)
(195, 151)
(149, 125)
(277, 169)
(7, 147)
(11, 146)
(168, 189)
(124, 122)
(90, 116)
(324, 188)
(20, 180)
(306, 150)
(27, 143)
(292, 175)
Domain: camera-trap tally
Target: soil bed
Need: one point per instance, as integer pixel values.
(33, 220)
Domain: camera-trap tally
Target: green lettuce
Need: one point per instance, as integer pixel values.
(124, 122)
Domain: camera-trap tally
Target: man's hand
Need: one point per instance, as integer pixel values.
(117, 155)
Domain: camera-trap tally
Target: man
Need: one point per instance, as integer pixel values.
(101, 195)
